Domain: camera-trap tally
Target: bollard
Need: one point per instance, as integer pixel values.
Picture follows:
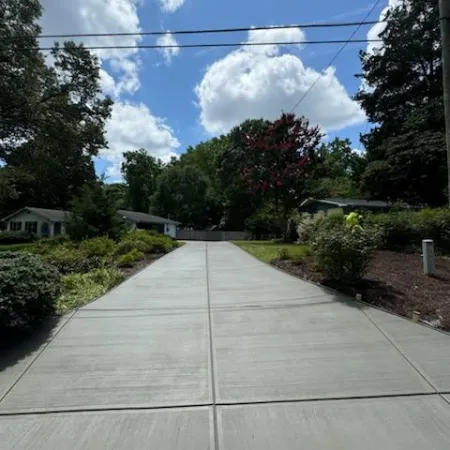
(429, 265)
(415, 316)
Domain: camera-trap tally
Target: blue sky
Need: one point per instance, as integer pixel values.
(166, 101)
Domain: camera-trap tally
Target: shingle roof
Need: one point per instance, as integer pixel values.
(53, 215)
(145, 218)
(343, 202)
(357, 202)
(56, 215)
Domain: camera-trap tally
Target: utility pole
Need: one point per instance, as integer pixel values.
(444, 14)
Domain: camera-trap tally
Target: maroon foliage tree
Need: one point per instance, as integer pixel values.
(277, 161)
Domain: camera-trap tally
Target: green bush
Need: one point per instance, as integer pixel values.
(69, 260)
(158, 242)
(344, 254)
(405, 230)
(46, 245)
(16, 237)
(125, 247)
(284, 254)
(27, 247)
(79, 289)
(100, 246)
(128, 259)
(29, 289)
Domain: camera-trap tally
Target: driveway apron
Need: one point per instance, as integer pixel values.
(209, 348)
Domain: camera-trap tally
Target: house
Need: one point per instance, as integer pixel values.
(51, 222)
(311, 209)
(149, 222)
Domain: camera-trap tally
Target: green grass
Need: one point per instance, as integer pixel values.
(16, 247)
(267, 251)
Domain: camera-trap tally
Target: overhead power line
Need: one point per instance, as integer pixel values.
(211, 30)
(225, 44)
(348, 41)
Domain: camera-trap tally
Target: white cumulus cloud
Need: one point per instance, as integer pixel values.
(101, 16)
(132, 126)
(249, 83)
(171, 5)
(170, 52)
(378, 28)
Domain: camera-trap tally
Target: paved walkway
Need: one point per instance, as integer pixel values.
(210, 349)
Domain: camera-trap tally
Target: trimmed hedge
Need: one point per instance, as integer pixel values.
(16, 237)
(404, 231)
(29, 289)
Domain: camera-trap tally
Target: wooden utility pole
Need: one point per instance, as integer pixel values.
(444, 14)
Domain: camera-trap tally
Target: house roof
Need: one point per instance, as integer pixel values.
(346, 202)
(52, 215)
(56, 215)
(145, 218)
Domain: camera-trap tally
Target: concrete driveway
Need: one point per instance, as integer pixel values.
(210, 349)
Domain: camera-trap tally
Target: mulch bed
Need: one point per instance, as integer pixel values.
(395, 282)
(140, 265)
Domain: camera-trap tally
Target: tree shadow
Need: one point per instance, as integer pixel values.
(16, 346)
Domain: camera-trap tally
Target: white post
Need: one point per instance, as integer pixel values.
(429, 266)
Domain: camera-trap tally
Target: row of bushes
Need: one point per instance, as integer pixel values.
(405, 230)
(16, 237)
(60, 274)
(344, 245)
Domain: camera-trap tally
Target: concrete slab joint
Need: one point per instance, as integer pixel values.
(209, 348)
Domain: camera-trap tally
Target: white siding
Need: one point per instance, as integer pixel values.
(27, 216)
(171, 230)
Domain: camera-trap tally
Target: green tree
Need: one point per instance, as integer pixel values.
(338, 171)
(277, 162)
(239, 203)
(402, 97)
(92, 214)
(140, 171)
(52, 119)
(117, 193)
(182, 194)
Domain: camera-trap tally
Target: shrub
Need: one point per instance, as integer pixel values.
(68, 260)
(405, 230)
(100, 246)
(125, 247)
(28, 290)
(79, 289)
(16, 237)
(157, 242)
(46, 245)
(344, 254)
(128, 259)
(284, 254)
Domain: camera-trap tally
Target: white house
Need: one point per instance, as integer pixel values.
(51, 222)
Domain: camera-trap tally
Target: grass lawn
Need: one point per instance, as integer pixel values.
(16, 247)
(267, 251)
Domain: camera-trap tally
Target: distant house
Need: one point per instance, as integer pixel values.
(51, 222)
(312, 208)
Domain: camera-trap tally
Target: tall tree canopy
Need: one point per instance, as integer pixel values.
(277, 162)
(402, 97)
(55, 125)
(140, 171)
(182, 194)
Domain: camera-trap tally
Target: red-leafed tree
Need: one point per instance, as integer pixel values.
(277, 162)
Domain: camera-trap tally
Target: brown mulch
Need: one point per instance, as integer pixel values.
(141, 265)
(395, 282)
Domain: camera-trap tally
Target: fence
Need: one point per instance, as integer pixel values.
(196, 235)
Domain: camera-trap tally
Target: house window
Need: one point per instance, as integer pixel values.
(31, 227)
(15, 226)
